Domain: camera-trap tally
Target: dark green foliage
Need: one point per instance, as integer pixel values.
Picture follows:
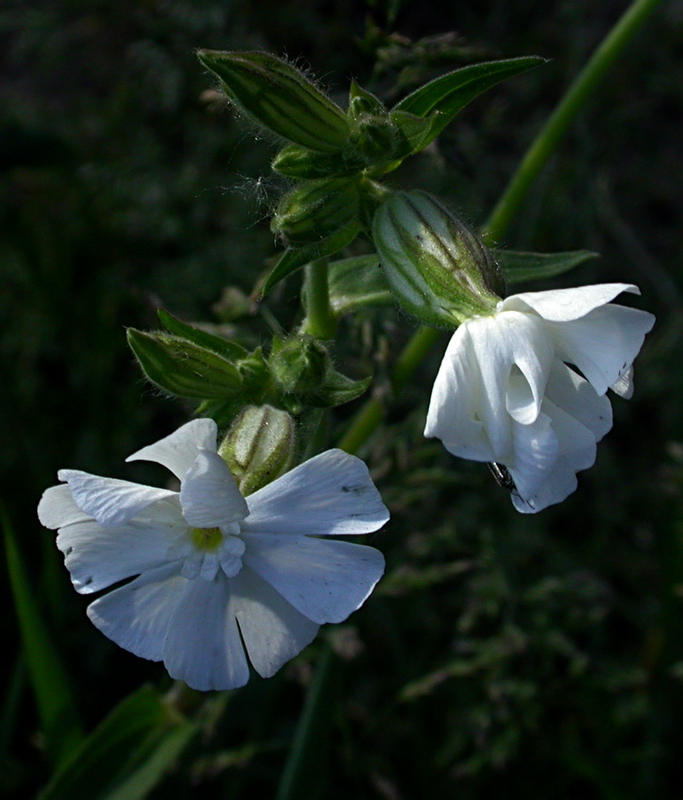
(503, 656)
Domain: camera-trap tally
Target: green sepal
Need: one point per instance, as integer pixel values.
(280, 98)
(224, 347)
(362, 102)
(356, 283)
(293, 259)
(299, 162)
(519, 267)
(338, 389)
(179, 366)
(444, 97)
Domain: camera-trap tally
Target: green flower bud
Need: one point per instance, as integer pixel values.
(316, 210)
(259, 446)
(184, 368)
(298, 365)
(299, 162)
(279, 97)
(437, 268)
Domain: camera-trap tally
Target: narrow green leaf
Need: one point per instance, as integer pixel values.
(356, 283)
(518, 267)
(131, 747)
(54, 699)
(224, 347)
(293, 259)
(444, 97)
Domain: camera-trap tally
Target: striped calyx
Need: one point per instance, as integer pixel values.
(280, 98)
(316, 210)
(438, 269)
(259, 447)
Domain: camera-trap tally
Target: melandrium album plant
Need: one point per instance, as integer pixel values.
(237, 561)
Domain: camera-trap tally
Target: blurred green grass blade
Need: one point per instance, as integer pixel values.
(127, 754)
(356, 283)
(518, 267)
(143, 779)
(55, 702)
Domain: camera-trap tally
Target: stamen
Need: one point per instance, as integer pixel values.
(206, 539)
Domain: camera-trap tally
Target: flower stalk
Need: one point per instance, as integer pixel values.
(321, 322)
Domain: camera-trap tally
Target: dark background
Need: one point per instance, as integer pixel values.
(521, 656)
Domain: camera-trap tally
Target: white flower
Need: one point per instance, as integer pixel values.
(506, 392)
(217, 572)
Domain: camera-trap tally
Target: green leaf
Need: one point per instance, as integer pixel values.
(54, 699)
(518, 267)
(224, 347)
(293, 259)
(356, 283)
(127, 754)
(444, 97)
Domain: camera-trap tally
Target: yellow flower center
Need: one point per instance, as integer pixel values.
(206, 539)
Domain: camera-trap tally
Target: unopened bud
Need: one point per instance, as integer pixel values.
(279, 97)
(184, 368)
(316, 210)
(299, 365)
(259, 446)
(438, 269)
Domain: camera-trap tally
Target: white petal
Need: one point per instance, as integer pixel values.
(561, 305)
(603, 343)
(273, 630)
(453, 415)
(577, 397)
(203, 645)
(324, 579)
(576, 451)
(179, 450)
(98, 556)
(209, 495)
(330, 494)
(57, 508)
(136, 616)
(108, 500)
(536, 449)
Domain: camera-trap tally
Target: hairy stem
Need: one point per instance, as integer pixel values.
(320, 320)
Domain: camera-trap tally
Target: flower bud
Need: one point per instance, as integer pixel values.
(299, 162)
(279, 97)
(298, 365)
(316, 210)
(184, 368)
(259, 446)
(438, 269)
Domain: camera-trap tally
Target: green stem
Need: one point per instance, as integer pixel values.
(370, 416)
(584, 85)
(321, 322)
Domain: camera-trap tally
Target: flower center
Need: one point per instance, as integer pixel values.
(206, 540)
